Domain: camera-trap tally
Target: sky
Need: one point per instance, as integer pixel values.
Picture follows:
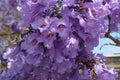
(107, 50)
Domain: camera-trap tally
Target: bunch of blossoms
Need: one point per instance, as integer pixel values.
(60, 40)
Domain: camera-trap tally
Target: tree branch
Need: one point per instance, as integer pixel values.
(116, 41)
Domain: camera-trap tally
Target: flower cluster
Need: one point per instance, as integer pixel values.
(60, 40)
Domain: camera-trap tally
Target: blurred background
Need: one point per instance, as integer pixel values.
(107, 48)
